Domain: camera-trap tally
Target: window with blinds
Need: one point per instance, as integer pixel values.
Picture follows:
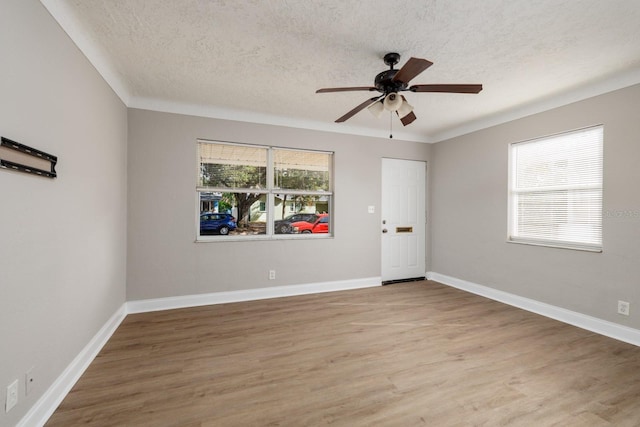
(250, 191)
(555, 190)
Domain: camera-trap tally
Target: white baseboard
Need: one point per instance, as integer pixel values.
(47, 404)
(156, 304)
(42, 410)
(593, 324)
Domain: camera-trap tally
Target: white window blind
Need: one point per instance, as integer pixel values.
(231, 166)
(556, 190)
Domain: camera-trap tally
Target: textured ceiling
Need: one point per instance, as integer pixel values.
(261, 60)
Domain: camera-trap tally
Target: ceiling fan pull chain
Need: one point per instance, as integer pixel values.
(390, 124)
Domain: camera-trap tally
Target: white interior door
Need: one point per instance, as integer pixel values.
(403, 219)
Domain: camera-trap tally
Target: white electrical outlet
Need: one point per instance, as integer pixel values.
(623, 308)
(12, 396)
(371, 209)
(272, 275)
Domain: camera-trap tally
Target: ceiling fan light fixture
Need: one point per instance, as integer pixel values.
(376, 108)
(405, 108)
(392, 102)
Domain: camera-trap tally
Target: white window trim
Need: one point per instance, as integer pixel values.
(511, 214)
(270, 192)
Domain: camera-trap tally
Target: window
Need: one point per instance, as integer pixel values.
(555, 190)
(266, 191)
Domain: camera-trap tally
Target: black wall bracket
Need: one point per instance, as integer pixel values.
(25, 157)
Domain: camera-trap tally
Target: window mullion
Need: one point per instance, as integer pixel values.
(270, 197)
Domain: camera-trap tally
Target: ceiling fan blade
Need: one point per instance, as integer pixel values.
(447, 88)
(408, 119)
(359, 108)
(412, 68)
(345, 89)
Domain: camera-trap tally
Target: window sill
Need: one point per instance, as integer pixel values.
(557, 245)
(254, 238)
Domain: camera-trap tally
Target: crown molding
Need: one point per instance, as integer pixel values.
(239, 115)
(65, 17)
(589, 90)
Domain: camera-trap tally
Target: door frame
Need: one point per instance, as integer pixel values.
(423, 217)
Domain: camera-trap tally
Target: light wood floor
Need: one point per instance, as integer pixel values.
(402, 355)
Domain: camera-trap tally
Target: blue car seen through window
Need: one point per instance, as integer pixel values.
(216, 223)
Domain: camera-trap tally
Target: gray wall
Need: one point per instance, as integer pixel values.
(469, 213)
(62, 241)
(123, 208)
(164, 261)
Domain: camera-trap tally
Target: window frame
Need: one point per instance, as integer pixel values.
(270, 192)
(512, 200)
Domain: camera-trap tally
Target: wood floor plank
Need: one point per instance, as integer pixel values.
(410, 354)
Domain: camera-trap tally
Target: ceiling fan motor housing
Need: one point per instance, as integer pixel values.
(385, 84)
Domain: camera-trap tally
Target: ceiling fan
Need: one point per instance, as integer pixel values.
(391, 82)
